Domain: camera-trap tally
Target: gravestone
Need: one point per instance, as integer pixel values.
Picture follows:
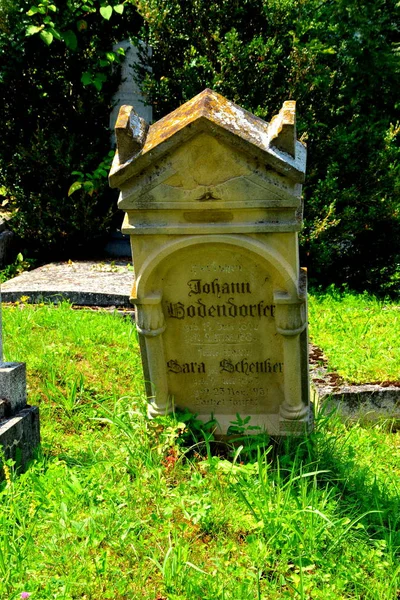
(212, 196)
(128, 91)
(19, 423)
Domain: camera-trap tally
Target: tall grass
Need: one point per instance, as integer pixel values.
(118, 507)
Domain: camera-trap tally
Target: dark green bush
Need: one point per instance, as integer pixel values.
(56, 99)
(340, 60)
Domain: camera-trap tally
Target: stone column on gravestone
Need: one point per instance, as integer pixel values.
(151, 324)
(291, 322)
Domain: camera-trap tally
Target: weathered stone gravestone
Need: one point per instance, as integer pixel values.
(19, 423)
(128, 91)
(212, 196)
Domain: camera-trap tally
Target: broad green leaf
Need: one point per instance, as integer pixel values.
(106, 12)
(46, 36)
(103, 63)
(119, 8)
(98, 80)
(75, 186)
(56, 34)
(32, 29)
(88, 186)
(32, 11)
(110, 56)
(86, 78)
(52, 7)
(97, 84)
(70, 39)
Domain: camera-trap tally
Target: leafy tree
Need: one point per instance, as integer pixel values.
(57, 78)
(340, 61)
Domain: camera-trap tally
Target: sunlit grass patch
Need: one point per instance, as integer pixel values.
(118, 507)
(358, 334)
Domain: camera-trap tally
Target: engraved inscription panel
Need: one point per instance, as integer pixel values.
(223, 354)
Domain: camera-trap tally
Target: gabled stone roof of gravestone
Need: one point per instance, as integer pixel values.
(211, 112)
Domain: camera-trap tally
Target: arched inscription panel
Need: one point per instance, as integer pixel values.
(222, 351)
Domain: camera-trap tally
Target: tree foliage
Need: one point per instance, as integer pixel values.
(57, 78)
(340, 60)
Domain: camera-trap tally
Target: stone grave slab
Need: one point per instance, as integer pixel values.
(89, 283)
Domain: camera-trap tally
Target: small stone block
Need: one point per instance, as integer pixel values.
(13, 385)
(20, 435)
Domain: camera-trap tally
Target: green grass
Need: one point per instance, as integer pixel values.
(119, 507)
(359, 335)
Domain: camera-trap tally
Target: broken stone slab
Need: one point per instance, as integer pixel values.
(351, 402)
(369, 402)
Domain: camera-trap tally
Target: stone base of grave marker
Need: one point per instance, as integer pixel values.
(19, 423)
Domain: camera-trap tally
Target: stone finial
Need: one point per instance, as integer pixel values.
(130, 132)
(282, 128)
